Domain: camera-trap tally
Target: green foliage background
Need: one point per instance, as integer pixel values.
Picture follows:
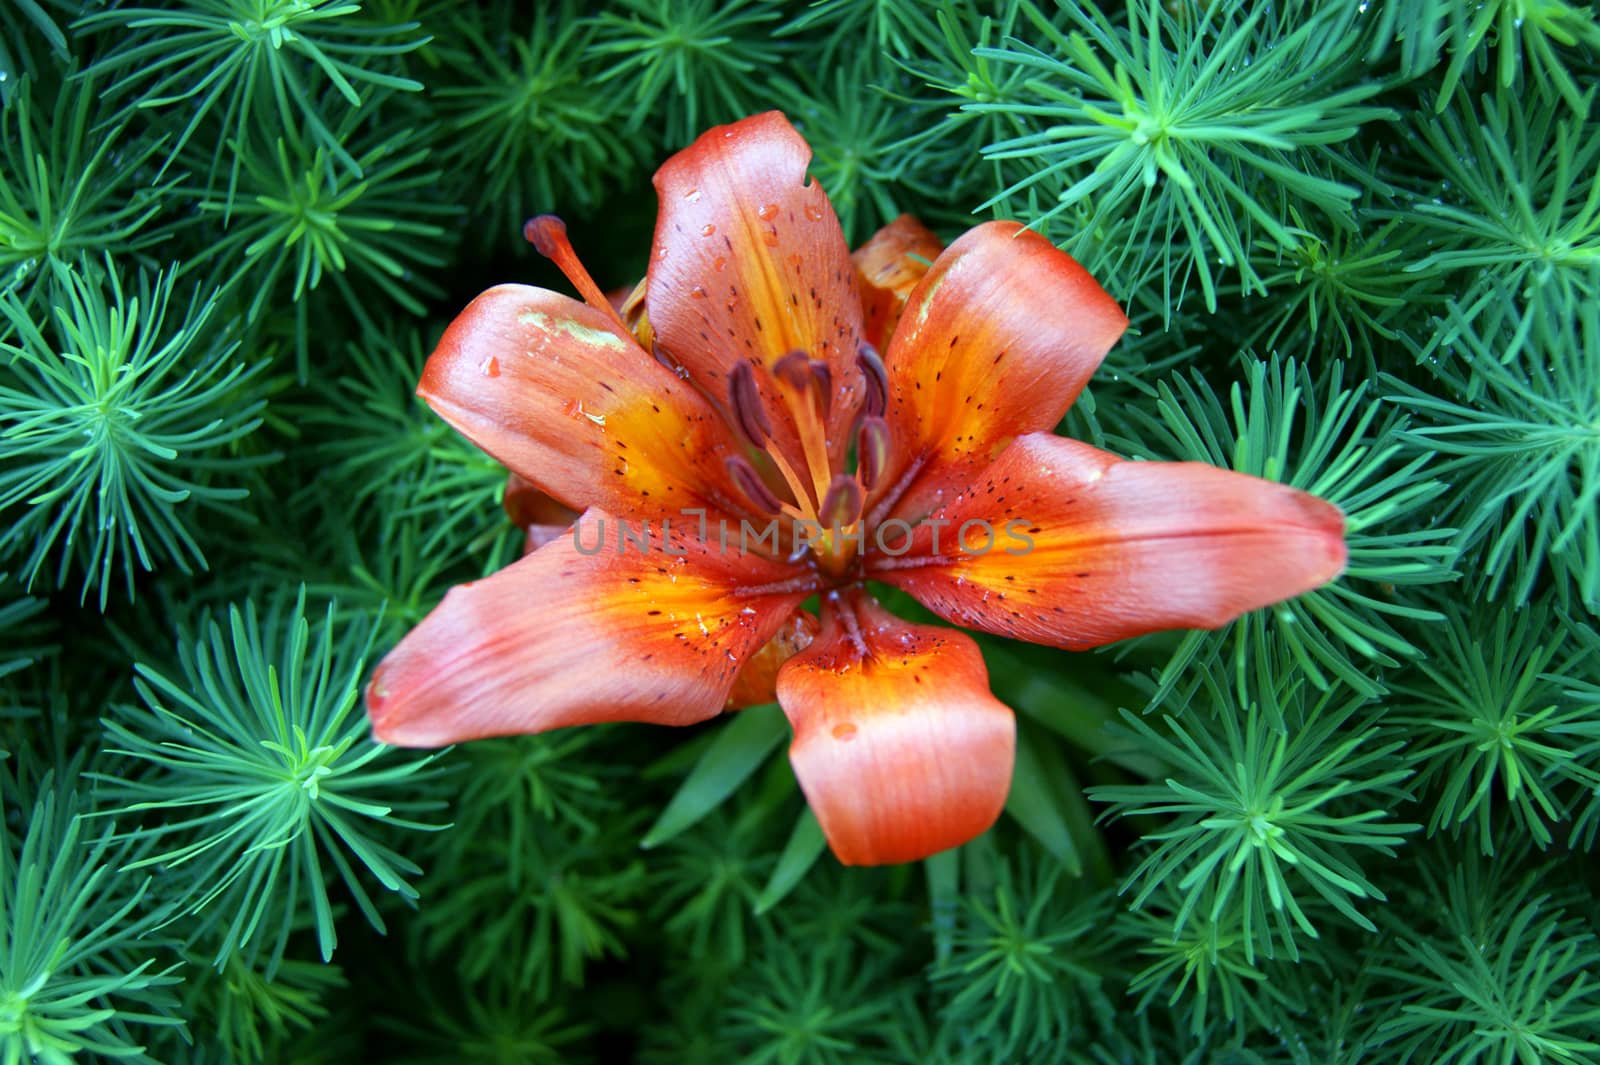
(1360, 243)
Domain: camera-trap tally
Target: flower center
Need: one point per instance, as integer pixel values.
(790, 470)
(793, 471)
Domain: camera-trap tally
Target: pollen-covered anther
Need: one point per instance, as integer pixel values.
(841, 506)
(877, 378)
(744, 404)
(754, 489)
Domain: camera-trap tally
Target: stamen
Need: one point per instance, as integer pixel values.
(794, 370)
(748, 481)
(823, 378)
(548, 235)
(872, 450)
(841, 507)
(877, 378)
(744, 403)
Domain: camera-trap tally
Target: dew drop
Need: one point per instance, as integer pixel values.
(770, 238)
(795, 260)
(707, 229)
(697, 293)
(719, 263)
(693, 194)
(661, 252)
(490, 367)
(768, 212)
(814, 212)
(844, 731)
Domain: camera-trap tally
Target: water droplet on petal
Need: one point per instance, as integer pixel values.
(814, 212)
(844, 731)
(692, 195)
(719, 263)
(490, 367)
(661, 252)
(707, 229)
(770, 238)
(697, 293)
(768, 212)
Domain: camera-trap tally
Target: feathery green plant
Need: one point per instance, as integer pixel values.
(819, 1008)
(567, 903)
(1339, 291)
(117, 428)
(253, 65)
(708, 58)
(1579, 677)
(1521, 443)
(81, 966)
(1533, 39)
(1025, 964)
(303, 216)
(17, 627)
(70, 186)
(1206, 969)
(37, 25)
(529, 125)
(1490, 724)
(948, 138)
(254, 780)
(1265, 819)
(247, 1012)
(708, 883)
(494, 1025)
(1204, 134)
(896, 29)
(1520, 987)
(1518, 223)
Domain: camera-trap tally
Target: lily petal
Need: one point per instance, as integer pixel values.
(749, 262)
(889, 265)
(560, 394)
(900, 749)
(568, 637)
(1089, 548)
(997, 340)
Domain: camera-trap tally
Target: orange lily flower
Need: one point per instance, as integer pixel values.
(742, 385)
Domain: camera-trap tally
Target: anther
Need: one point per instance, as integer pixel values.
(877, 378)
(872, 450)
(744, 403)
(841, 507)
(794, 370)
(748, 481)
(824, 382)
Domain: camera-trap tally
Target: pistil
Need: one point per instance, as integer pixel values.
(548, 235)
